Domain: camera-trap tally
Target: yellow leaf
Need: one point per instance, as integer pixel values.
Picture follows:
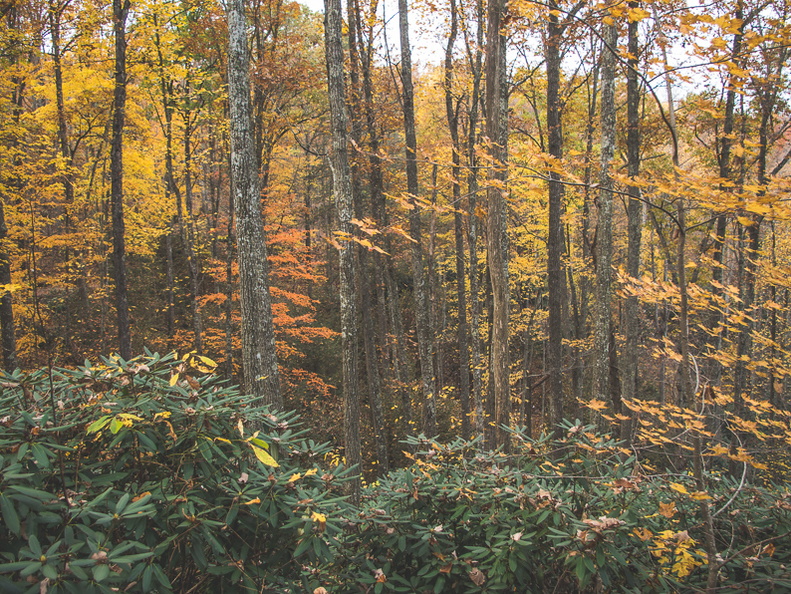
(294, 477)
(679, 488)
(264, 457)
(174, 378)
(596, 404)
(320, 519)
(252, 501)
(207, 361)
(699, 495)
(635, 15)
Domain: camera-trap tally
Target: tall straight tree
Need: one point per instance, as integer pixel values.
(633, 212)
(120, 12)
(422, 318)
(344, 204)
(556, 285)
(259, 358)
(496, 232)
(602, 346)
(463, 333)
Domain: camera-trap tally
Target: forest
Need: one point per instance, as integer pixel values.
(503, 285)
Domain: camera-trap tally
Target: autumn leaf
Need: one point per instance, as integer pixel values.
(320, 519)
(477, 576)
(667, 509)
(679, 488)
(264, 457)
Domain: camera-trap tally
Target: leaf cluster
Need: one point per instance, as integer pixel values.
(574, 513)
(149, 475)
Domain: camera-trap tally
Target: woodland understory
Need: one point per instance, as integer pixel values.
(550, 211)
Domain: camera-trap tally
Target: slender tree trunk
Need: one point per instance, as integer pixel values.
(7, 325)
(188, 227)
(259, 357)
(344, 204)
(422, 318)
(724, 143)
(463, 331)
(555, 273)
(603, 332)
(497, 235)
(634, 219)
(229, 288)
(476, 351)
(120, 11)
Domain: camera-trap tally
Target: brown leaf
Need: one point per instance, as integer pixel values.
(477, 577)
(667, 509)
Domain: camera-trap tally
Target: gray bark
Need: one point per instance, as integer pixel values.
(463, 331)
(259, 357)
(603, 331)
(422, 317)
(634, 215)
(344, 204)
(555, 270)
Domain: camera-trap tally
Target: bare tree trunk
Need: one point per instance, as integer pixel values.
(497, 235)
(634, 222)
(259, 357)
(120, 11)
(344, 204)
(476, 351)
(188, 227)
(555, 273)
(463, 331)
(603, 332)
(724, 144)
(422, 318)
(7, 326)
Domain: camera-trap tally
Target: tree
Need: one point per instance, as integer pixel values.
(497, 234)
(259, 358)
(344, 204)
(120, 12)
(422, 317)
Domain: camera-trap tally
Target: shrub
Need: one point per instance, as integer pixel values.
(151, 475)
(574, 514)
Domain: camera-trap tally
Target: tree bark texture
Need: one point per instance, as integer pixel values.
(555, 274)
(259, 357)
(463, 331)
(497, 235)
(344, 205)
(602, 334)
(634, 218)
(120, 12)
(7, 325)
(422, 316)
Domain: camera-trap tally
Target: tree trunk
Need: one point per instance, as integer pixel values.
(603, 332)
(7, 326)
(120, 11)
(476, 350)
(344, 204)
(634, 220)
(497, 235)
(463, 332)
(422, 318)
(555, 274)
(259, 357)
(188, 229)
